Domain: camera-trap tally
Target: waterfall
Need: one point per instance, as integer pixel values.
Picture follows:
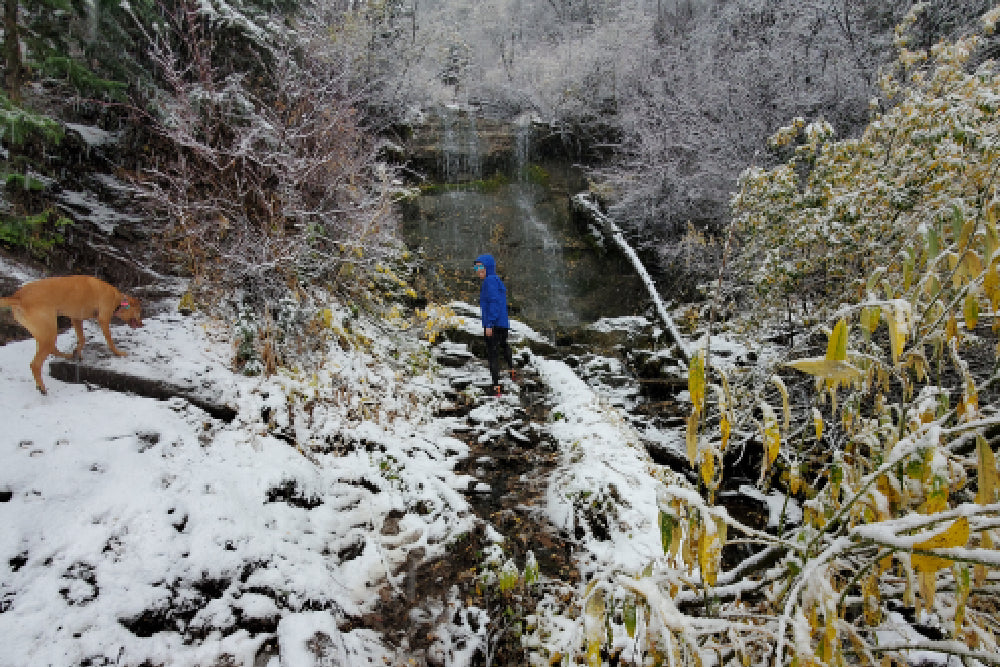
(473, 158)
(555, 280)
(522, 144)
(552, 264)
(459, 155)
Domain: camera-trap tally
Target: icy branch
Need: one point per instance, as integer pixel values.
(615, 232)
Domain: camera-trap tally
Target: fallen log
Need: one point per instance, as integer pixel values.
(80, 373)
(583, 202)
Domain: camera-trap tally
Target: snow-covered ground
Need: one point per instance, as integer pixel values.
(139, 530)
(119, 510)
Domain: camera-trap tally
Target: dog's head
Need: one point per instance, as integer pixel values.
(130, 311)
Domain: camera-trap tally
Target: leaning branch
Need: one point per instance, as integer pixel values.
(583, 201)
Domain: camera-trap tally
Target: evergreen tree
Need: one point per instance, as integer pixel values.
(41, 44)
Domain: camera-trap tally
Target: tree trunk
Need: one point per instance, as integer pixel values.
(12, 51)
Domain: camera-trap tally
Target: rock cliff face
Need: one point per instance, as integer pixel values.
(451, 145)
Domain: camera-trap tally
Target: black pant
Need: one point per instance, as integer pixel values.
(494, 345)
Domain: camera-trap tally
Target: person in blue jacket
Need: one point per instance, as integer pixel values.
(493, 311)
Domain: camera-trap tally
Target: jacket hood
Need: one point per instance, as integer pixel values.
(488, 263)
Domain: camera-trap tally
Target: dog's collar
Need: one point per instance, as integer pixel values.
(124, 304)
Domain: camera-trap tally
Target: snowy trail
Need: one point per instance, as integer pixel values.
(330, 519)
(139, 530)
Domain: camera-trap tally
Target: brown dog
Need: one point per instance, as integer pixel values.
(36, 305)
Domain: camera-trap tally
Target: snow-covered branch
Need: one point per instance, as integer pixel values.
(611, 228)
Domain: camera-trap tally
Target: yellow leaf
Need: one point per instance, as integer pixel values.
(937, 497)
(783, 390)
(818, 424)
(927, 580)
(725, 428)
(967, 229)
(898, 325)
(772, 435)
(594, 628)
(972, 263)
(970, 310)
(989, 480)
(991, 286)
(835, 371)
(968, 406)
(956, 534)
(990, 242)
(932, 286)
(829, 642)
(692, 438)
(708, 469)
(951, 329)
(981, 572)
(869, 320)
(836, 346)
(696, 380)
(916, 360)
(710, 544)
(871, 600)
(992, 213)
(884, 564)
(886, 487)
(952, 260)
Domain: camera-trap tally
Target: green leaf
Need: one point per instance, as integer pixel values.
(869, 320)
(957, 222)
(18, 124)
(970, 310)
(629, 617)
(933, 242)
(667, 526)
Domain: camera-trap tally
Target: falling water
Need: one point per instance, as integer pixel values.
(522, 147)
(556, 278)
(539, 240)
(459, 153)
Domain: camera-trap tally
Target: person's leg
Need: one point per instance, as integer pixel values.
(504, 346)
(493, 354)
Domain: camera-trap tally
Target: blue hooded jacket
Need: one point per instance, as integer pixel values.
(492, 296)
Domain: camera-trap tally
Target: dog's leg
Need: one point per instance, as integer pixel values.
(80, 339)
(77, 352)
(46, 345)
(42, 327)
(106, 328)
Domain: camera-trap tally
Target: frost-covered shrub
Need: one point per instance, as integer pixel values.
(880, 425)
